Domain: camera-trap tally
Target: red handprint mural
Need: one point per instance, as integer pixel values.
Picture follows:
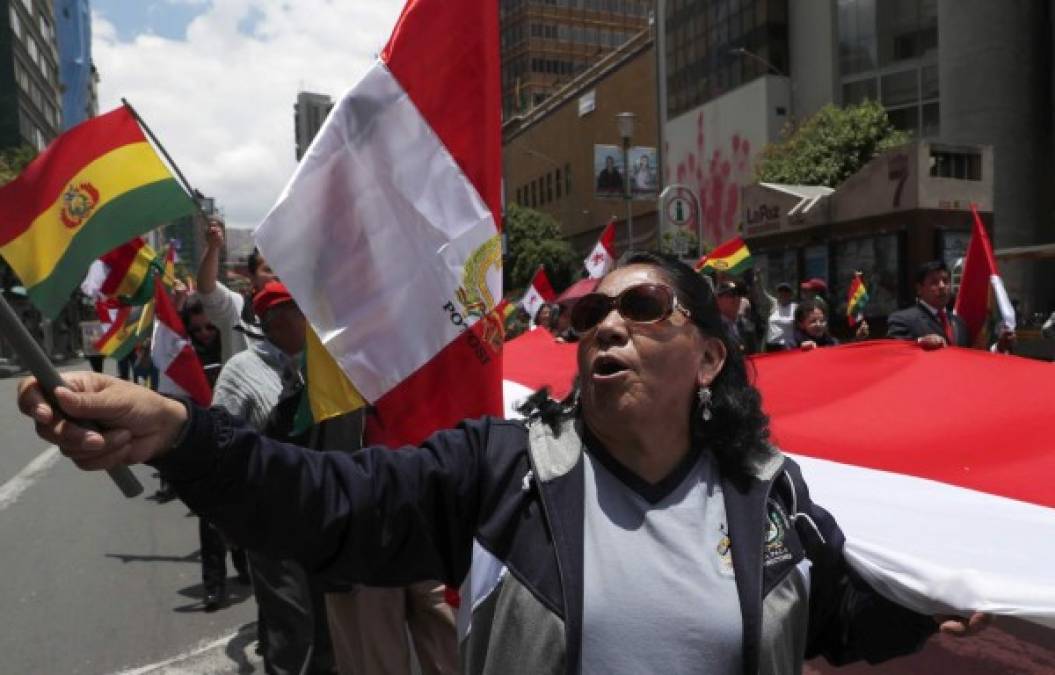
(715, 169)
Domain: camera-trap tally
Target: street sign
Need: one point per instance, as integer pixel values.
(679, 208)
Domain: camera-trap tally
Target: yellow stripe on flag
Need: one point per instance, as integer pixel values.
(39, 249)
(330, 393)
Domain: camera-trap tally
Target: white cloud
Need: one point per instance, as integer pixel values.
(222, 102)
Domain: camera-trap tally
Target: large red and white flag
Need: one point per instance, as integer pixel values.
(945, 506)
(180, 370)
(538, 293)
(981, 286)
(387, 235)
(602, 257)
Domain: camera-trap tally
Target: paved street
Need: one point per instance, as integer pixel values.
(94, 583)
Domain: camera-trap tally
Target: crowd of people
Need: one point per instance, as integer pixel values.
(352, 552)
(758, 321)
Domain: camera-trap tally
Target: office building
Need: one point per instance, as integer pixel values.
(77, 74)
(546, 43)
(958, 74)
(309, 113)
(30, 103)
(553, 154)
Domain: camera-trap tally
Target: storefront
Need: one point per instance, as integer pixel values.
(900, 210)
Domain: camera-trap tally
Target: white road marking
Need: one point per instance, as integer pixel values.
(208, 657)
(13, 489)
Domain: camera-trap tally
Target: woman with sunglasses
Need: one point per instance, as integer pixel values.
(643, 525)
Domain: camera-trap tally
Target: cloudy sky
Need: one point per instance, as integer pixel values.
(216, 80)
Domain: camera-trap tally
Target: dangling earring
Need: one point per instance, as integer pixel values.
(705, 396)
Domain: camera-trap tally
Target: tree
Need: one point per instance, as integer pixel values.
(680, 242)
(13, 160)
(534, 238)
(830, 146)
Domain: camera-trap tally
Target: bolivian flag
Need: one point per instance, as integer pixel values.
(857, 299)
(94, 188)
(732, 257)
(131, 326)
(131, 270)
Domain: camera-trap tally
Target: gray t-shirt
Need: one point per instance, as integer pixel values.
(659, 590)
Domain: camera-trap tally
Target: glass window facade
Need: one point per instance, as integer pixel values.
(877, 257)
(714, 46)
(888, 52)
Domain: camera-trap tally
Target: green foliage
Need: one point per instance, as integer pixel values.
(830, 146)
(680, 242)
(13, 160)
(532, 239)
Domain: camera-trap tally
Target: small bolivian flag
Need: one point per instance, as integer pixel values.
(131, 326)
(857, 299)
(94, 188)
(732, 257)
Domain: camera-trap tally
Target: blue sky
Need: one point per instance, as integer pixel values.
(164, 18)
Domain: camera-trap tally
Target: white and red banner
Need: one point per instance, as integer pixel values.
(980, 285)
(538, 293)
(180, 370)
(602, 258)
(387, 235)
(939, 466)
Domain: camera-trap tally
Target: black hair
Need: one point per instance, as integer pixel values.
(253, 261)
(738, 432)
(928, 267)
(806, 307)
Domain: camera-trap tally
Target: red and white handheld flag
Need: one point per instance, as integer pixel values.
(180, 371)
(602, 257)
(538, 293)
(387, 235)
(981, 285)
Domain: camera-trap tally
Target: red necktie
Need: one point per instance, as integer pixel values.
(946, 326)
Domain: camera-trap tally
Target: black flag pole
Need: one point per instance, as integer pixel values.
(32, 356)
(168, 158)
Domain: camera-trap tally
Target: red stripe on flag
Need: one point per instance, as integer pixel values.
(41, 183)
(608, 238)
(445, 55)
(535, 359)
(542, 285)
(972, 300)
(463, 381)
(120, 261)
(963, 417)
(186, 371)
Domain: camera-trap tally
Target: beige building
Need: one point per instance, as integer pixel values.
(553, 154)
(905, 207)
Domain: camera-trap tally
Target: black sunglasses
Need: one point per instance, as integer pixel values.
(644, 303)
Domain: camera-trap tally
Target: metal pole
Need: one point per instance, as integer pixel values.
(33, 358)
(168, 158)
(628, 195)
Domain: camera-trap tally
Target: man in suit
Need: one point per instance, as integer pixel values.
(928, 322)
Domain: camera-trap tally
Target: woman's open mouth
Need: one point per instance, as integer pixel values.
(608, 367)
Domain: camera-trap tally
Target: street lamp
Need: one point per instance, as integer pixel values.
(625, 122)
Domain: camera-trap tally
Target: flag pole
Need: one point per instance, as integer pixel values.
(168, 158)
(36, 361)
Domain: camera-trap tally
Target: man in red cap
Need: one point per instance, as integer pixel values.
(293, 632)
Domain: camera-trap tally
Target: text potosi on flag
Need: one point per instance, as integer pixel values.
(602, 257)
(94, 188)
(981, 288)
(538, 293)
(731, 257)
(180, 369)
(387, 234)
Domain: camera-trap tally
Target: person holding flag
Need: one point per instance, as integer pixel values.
(521, 511)
(929, 322)
(856, 300)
